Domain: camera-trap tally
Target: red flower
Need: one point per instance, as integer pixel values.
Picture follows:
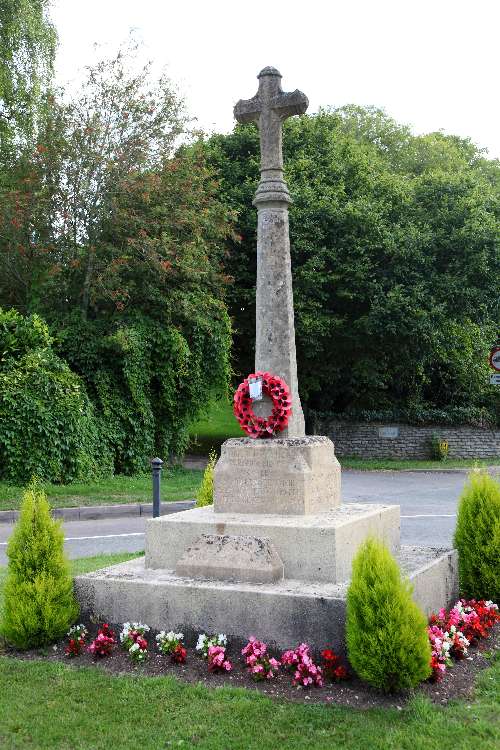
(178, 655)
(331, 667)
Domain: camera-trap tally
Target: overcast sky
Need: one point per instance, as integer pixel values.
(432, 64)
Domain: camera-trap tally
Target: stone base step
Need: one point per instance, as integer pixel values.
(282, 613)
(315, 547)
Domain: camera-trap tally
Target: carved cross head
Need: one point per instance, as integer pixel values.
(268, 108)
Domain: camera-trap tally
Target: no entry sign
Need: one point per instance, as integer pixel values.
(495, 358)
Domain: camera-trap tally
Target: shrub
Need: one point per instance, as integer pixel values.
(387, 638)
(439, 448)
(205, 494)
(477, 537)
(39, 601)
(47, 423)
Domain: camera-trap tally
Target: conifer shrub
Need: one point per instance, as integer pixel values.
(205, 494)
(39, 602)
(477, 538)
(387, 639)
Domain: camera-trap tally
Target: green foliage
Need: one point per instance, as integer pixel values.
(395, 245)
(417, 414)
(386, 632)
(477, 537)
(117, 241)
(27, 51)
(439, 448)
(47, 423)
(205, 494)
(39, 603)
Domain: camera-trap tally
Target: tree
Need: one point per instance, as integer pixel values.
(27, 50)
(48, 426)
(117, 240)
(386, 633)
(39, 601)
(395, 256)
(477, 538)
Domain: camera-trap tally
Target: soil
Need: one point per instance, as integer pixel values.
(458, 681)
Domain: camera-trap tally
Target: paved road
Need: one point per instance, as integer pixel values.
(428, 505)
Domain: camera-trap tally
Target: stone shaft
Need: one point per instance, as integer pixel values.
(275, 330)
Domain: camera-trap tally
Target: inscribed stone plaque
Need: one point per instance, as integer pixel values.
(291, 476)
(388, 432)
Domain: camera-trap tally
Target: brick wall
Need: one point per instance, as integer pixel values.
(378, 440)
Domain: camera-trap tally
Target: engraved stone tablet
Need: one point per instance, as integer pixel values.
(231, 558)
(290, 476)
(388, 432)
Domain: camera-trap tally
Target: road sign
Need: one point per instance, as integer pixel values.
(495, 379)
(495, 358)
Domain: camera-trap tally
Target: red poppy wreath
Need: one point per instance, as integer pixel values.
(278, 391)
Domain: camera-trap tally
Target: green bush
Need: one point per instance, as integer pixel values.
(205, 495)
(439, 448)
(39, 603)
(47, 423)
(387, 640)
(477, 537)
(148, 380)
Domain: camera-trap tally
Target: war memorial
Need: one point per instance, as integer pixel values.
(273, 555)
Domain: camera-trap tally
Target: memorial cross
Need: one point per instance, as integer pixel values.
(275, 330)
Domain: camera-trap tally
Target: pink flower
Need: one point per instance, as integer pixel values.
(217, 661)
(306, 672)
(258, 662)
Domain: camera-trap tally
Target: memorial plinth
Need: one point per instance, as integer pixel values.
(316, 548)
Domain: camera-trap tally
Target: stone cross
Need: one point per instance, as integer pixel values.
(275, 330)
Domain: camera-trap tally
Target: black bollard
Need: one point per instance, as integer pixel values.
(156, 467)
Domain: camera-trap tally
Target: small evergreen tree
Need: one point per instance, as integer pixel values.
(205, 494)
(477, 538)
(387, 639)
(39, 603)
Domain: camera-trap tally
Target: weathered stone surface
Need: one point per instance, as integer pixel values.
(291, 476)
(283, 613)
(275, 331)
(317, 547)
(224, 557)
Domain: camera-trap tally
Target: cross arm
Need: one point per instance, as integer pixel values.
(288, 104)
(248, 110)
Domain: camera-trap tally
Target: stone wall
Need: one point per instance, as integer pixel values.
(378, 440)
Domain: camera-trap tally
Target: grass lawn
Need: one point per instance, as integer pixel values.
(219, 425)
(177, 484)
(53, 705)
(392, 464)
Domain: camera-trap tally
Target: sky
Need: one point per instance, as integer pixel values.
(431, 65)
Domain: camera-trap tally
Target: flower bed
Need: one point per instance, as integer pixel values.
(457, 636)
(452, 632)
